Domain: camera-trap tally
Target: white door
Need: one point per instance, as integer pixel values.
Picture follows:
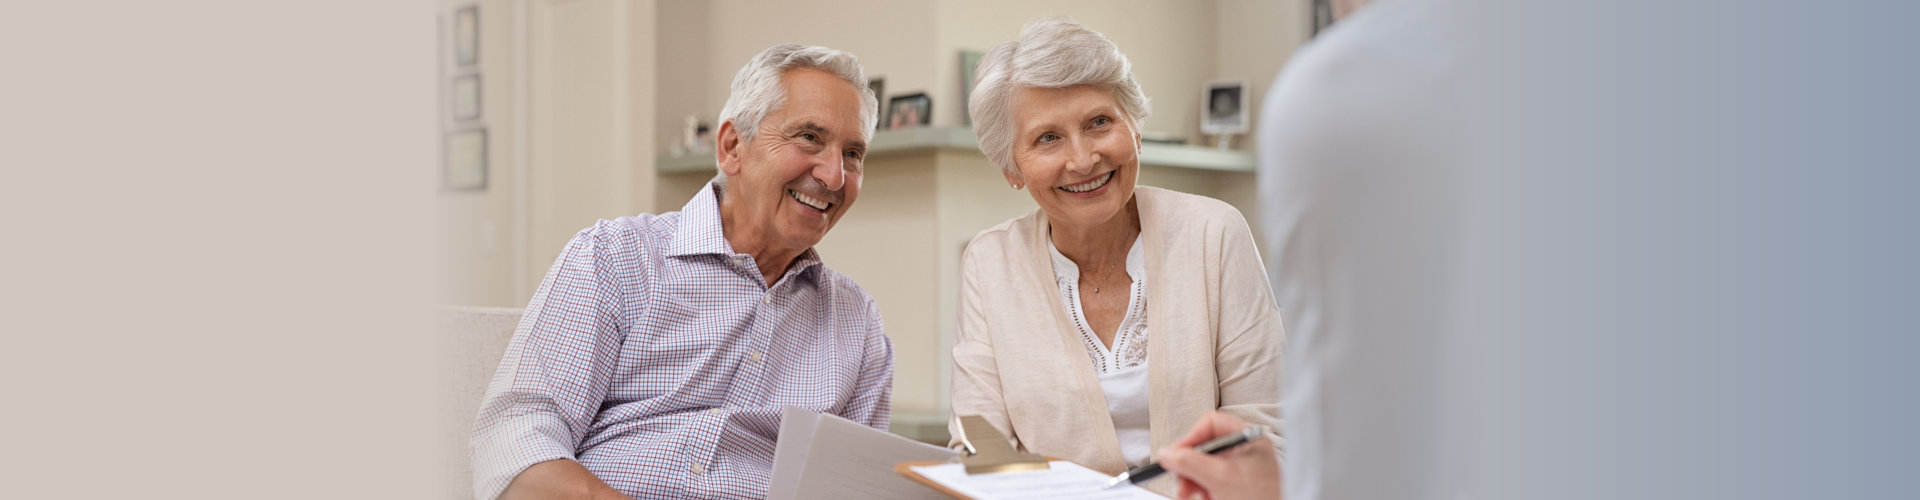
(591, 95)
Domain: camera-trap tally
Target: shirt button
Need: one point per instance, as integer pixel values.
(739, 261)
(715, 411)
(697, 469)
(768, 299)
(756, 356)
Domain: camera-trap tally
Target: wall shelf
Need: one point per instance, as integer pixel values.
(913, 140)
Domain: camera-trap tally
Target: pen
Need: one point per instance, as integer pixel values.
(1143, 473)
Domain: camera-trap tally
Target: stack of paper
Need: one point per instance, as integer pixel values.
(825, 456)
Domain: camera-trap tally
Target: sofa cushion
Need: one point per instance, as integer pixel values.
(472, 341)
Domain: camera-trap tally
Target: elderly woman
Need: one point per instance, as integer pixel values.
(1105, 324)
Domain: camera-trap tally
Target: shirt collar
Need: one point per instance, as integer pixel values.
(1064, 267)
(700, 232)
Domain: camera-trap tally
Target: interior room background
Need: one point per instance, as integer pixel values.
(583, 109)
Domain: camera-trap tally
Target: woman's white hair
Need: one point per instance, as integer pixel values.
(1050, 53)
(757, 91)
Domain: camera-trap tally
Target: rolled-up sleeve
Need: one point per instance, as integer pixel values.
(556, 370)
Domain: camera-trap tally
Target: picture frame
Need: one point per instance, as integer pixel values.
(466, 36)
(969, 64)
(1224, 107)
(878, 85)
(466, 97)
(909, 110)
(464, 166)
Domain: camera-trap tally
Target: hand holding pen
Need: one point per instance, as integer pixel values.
(1241, 472)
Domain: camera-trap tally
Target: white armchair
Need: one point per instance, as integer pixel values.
(472, 341)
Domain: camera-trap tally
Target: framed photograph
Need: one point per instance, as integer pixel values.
(466, 97)
(908, 111)
(466, 161)
(879, 87)
(1225, 102)
(969, 62)
(466, 35)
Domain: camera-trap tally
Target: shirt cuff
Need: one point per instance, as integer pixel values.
(502, 453)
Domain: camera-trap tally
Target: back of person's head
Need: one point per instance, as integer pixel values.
(757, 91)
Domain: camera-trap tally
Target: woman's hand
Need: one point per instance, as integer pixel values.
(1245, 472)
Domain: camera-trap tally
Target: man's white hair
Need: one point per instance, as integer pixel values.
(757, 90)
(1050, 53)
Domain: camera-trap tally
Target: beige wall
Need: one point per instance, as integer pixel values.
(476, 234)
(568, 102)
(593, 89)
(1255, 38)
(680, 48)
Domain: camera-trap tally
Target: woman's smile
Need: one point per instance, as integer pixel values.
(1095, 183)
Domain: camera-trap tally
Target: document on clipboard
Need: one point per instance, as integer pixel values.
(993, 470)
(1062, 481)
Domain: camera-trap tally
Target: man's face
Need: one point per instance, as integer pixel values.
(802, 169)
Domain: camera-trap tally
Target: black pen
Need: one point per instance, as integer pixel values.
(1143, 473)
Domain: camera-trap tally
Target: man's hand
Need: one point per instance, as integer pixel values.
(559, 479)
(1245, 472)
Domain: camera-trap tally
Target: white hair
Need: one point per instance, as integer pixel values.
(1050, 53)
(757, 90)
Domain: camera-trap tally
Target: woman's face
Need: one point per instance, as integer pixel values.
(1076, 151)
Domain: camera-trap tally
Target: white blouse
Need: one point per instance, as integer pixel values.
(1123, 368)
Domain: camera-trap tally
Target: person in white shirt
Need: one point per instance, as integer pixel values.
(1558, 249)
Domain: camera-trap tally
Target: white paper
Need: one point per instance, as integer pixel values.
(1062, 481)
(790, 451)
(825, 456)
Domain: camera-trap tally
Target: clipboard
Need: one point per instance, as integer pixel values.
(1064, 481)
(906, 469)
(986, 453)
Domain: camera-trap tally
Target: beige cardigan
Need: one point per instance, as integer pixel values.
(1213, 333)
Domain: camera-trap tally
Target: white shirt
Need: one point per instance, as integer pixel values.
(1351, 136)
(1596, 250)
(1122, 368)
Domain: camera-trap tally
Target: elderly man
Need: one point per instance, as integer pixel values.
(655, 357)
